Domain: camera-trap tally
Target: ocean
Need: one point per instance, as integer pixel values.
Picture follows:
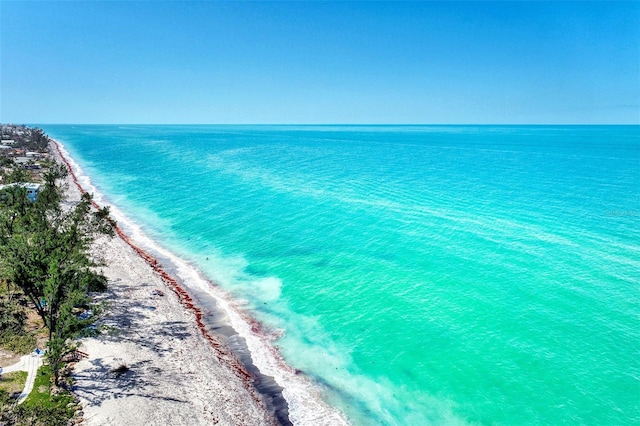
(415, 274)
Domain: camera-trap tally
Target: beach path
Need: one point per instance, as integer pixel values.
(29, 363)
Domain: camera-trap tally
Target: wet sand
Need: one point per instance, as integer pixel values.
(156, 363)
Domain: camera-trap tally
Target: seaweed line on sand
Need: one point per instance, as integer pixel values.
(183, 296)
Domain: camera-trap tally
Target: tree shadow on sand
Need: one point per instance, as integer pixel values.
(102, 382)
(161, 338)
(130, 319)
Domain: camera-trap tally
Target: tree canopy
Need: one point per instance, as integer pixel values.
(45, 251)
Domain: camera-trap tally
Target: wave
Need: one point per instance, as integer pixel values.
(303, 396)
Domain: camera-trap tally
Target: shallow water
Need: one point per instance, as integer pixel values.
(420, 274)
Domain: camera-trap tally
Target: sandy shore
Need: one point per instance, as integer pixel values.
(174, 375)
(192, 355)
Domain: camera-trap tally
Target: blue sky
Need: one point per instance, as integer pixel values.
(320, 62)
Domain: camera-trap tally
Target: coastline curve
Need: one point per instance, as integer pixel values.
(276, 403)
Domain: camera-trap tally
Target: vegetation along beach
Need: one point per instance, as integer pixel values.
(142, 361)
(319, 213)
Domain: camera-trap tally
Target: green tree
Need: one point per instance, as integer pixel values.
(18, 175)
(44, 250)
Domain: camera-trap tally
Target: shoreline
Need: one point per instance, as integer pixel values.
(230, 334)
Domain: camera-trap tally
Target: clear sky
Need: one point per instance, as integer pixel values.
(319, 62)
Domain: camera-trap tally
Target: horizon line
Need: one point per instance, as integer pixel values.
(320, 124)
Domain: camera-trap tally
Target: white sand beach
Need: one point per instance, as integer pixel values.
(173, 375)
(158, 364)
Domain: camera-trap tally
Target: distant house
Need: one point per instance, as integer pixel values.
(27, 163)
(32, 189)
(22, 160)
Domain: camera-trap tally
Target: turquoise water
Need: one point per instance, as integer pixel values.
(421, 274)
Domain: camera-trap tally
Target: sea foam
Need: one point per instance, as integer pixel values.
(304, 398)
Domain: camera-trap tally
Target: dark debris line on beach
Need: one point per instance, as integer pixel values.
(265, 385)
